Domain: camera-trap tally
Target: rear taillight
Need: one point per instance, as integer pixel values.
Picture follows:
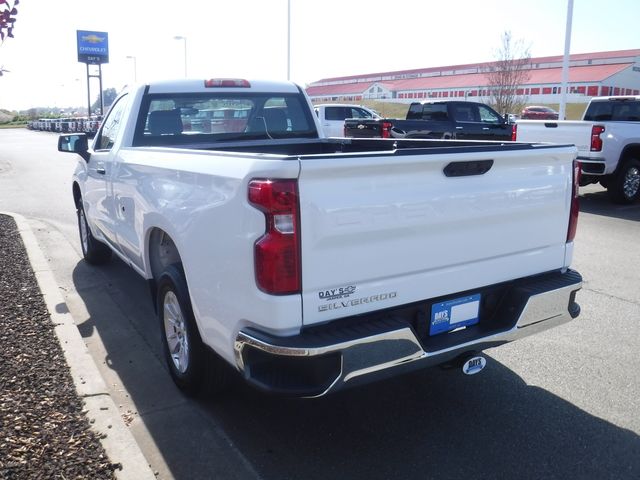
(596, 141)
(575, 203)
(385, 130)
(277, 252)
(514, 132)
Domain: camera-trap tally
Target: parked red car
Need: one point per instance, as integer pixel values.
(539, 113)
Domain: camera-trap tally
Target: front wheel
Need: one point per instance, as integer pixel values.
(190, 364)
(624, 188)
(93, 251)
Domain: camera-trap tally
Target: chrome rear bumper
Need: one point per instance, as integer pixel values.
(314, 365)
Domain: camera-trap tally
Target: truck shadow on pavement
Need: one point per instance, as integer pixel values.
(598, 203)
(430, 424)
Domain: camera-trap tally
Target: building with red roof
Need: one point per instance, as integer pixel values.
(590, 75)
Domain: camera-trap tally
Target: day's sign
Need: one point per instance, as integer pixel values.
(93, 47)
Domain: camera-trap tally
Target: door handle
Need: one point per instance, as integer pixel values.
(485, 128)
(101, 170)
(459, 128)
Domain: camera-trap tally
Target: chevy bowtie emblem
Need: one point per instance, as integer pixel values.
(360, 127)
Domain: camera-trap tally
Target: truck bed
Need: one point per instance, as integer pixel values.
(355, 145)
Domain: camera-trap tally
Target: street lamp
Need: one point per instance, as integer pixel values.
(180, 37)
(135, 67)
(288, 39)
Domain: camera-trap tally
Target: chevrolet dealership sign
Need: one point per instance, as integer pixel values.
(93, 47)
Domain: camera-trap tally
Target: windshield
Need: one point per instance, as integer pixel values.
(186, 119)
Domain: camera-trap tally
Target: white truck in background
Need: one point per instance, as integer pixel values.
(608, 142)
(310, 264)
(333, 115)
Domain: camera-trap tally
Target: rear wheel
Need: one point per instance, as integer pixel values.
(93, 251)
(190, 364)
(624, 188)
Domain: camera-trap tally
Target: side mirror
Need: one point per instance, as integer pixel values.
(76, 143)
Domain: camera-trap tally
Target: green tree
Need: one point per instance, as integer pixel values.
(109, 95)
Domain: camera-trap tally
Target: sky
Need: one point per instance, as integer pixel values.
(248, 39)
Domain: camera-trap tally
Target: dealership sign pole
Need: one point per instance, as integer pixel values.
(93, 49)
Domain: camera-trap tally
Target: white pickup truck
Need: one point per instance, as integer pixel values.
(608, 141)
(333, 115)
(311, 264)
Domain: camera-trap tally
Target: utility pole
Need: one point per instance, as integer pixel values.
(184, 39)
(288, 39)
(565, 61)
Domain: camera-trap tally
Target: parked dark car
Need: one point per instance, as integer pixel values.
(539, 113)
(450, 119)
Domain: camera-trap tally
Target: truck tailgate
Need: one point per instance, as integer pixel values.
(362, 128)
(380, 230)
(564, 132)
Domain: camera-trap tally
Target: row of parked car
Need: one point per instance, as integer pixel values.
(88, 125)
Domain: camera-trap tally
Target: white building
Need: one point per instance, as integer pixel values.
(590, 74)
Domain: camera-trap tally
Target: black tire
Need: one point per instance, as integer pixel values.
(93, 251)
(192, 366)
(624, 188)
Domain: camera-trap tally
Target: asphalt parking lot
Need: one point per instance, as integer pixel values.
(563, 404)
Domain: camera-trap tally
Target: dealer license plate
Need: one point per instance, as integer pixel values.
(452, 314)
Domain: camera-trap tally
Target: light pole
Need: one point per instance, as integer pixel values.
(288, 39)
(135, 68)
(184, 39)
(565, 61)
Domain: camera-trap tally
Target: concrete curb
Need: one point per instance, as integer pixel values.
(102, 412)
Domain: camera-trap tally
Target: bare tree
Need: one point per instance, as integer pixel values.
(507, 75)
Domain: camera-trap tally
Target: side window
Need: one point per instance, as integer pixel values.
(464, 113)
(435, 112)
(599, 112)
(488, 116)
(334, 113)
(626, 112)
(111, 125)
(415, 111)
(634, 112)
(359, 113)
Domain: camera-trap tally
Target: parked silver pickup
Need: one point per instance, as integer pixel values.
(608, 141)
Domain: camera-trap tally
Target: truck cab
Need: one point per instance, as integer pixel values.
(332, 117)
(462, 120)
(447, 119)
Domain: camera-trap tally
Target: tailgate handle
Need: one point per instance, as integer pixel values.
(466, 169)
(551, 125)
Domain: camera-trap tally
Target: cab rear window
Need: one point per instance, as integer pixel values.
(181, 119)
(613, 110)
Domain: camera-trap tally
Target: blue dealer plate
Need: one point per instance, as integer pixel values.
(452, 314)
